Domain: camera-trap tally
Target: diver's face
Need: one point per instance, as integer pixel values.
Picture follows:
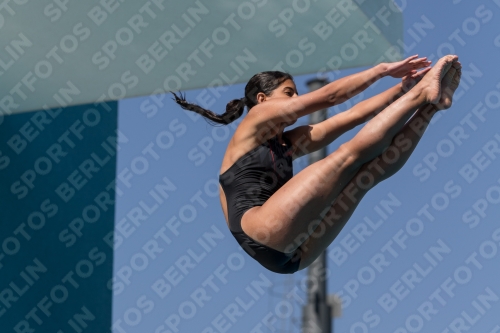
(286, 89)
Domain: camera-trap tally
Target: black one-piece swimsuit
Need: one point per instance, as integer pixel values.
(249, 182)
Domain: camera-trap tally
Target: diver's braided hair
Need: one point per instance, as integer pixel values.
(264, 82)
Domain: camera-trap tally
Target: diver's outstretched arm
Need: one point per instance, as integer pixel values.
(265, 116)
(349, 86)
(309, 138)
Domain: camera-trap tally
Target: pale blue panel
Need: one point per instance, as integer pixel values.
(60, 53)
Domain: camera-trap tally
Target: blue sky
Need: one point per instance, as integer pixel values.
(429, 264)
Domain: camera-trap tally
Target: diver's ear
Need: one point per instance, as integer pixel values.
(261, 97)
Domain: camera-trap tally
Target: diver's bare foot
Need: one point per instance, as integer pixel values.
(430, 85)
(449, 84)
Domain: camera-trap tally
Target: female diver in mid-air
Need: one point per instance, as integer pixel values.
(285, 222)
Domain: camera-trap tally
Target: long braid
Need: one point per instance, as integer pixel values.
(234, 109)
(264, 82)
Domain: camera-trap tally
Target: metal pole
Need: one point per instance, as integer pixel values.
(317, 315)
